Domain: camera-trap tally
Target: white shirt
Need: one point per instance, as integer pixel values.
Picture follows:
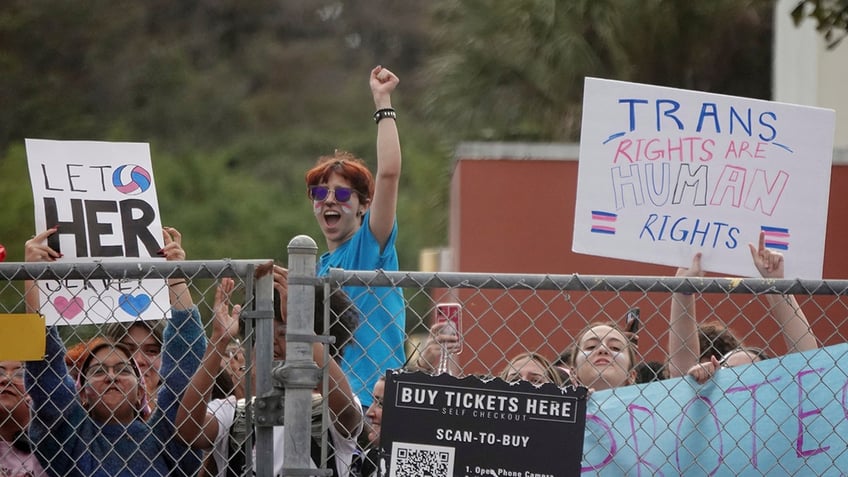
(224, 411)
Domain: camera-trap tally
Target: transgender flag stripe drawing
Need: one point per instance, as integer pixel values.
(776, 237)
(603, 222)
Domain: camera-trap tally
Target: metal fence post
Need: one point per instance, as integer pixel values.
(300, 373)
(264, 332)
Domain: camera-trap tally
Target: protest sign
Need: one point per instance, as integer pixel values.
(665, 173)
(782, 416)
(445, 427)
(102, 196)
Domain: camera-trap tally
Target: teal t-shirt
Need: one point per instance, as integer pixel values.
(378, 341)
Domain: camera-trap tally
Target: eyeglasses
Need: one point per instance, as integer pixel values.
(16, 375)
(319, 193)
(99, 371)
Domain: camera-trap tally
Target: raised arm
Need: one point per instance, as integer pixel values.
(184, 345)
(683, 347)
(784, 308)
(195, 425)
(384, 205)
(178, 290)
(55, 407)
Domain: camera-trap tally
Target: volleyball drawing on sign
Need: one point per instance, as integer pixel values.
(131, 179)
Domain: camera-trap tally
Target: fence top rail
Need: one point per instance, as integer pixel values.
(128, 269)
(577, 282)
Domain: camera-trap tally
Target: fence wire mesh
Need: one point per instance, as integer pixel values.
(503, 316)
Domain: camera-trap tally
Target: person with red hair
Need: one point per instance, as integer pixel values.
(357, 215)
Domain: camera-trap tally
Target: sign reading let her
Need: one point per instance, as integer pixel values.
(102, 197)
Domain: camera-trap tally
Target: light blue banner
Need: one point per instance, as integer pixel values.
(783, 416)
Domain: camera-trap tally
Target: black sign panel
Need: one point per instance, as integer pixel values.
(442, 426)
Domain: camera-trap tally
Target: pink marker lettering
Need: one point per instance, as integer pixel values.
(613, 446)
(753, 389)
(685, 418)
(802, 414)
(634, 426)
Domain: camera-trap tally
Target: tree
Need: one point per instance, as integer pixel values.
(514, 70)
(831, 18)
(236, 98)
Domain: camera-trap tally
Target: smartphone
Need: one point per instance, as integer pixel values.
(450, 313)
(632, 320)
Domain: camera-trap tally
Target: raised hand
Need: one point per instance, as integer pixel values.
(702, 372)
(173, 249)
(37, 250)
(695, 270)
(768, 262)
(437, 340)
(382, 83)
(225, 325)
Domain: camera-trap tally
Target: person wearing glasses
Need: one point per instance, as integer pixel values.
(357, 215)
(144, 339)
(16, 457)
(96, 426)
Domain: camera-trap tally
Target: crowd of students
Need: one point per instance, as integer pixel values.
(150, 398)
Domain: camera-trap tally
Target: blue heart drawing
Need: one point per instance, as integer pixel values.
(134, 305)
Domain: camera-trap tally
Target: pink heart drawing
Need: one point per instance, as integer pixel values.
(68, 309)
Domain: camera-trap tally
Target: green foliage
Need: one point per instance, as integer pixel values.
(237, 100)
(516, 72)
(831, 18)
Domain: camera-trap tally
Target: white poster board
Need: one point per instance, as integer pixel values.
(103, 198)
(664, 173)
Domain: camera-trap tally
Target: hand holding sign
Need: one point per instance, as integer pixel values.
(37, 250)
(101, 196)
(695, 270)
(173, 249)
(179, 294)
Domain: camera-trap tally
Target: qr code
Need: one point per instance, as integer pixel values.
(419, 460)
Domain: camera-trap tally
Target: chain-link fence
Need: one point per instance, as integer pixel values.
(786, 415)
(790, 419)
(105, 398)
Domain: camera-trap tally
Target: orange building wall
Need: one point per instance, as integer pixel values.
(514, 213)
